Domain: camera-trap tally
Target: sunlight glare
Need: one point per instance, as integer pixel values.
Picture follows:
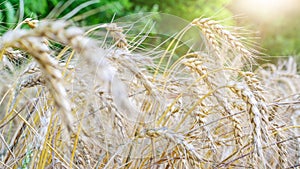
(267, 9)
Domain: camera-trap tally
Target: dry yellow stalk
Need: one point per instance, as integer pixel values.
(197, 65)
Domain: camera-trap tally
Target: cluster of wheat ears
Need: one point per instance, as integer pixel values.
(70, 100)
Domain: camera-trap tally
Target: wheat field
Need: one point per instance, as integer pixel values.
(75, 97)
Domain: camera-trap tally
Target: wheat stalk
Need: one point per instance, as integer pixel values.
(34, 44)
(201, 112)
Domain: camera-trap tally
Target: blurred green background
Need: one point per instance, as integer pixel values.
(277, 24)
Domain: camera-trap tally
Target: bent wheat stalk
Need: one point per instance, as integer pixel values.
(34, 44)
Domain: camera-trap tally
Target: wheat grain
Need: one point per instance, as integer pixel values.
(117, 34)
(191, 116)
(197, 65)
(217, 35)
(255, 118)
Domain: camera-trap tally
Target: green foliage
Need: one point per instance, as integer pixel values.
(282, 38)
(38, 9)
(33, 7)
(10, 12)
(277, 24)
(189, 9)
(7, 16)
(106, 9)
(277, 38)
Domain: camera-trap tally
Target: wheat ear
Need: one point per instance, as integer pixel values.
(217, 35)
(33, 41)
(255, 119)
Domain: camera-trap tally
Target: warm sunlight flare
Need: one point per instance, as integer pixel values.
(262, 10)
(149, 84)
